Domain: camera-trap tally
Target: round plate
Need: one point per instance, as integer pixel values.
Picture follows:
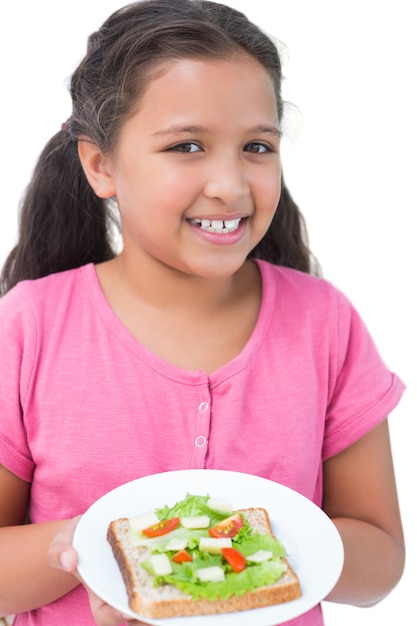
(313, 544)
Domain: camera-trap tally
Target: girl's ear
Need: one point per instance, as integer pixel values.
(96, 168)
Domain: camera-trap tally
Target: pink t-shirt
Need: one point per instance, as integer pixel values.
(84, 407)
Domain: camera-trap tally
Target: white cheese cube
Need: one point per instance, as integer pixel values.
(161, 564)
(214, 545)
(220, 504)
(260, 556)
(198, 521)
(212, 574)
(138, 523)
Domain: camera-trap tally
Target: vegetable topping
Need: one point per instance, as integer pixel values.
(218, 559)
(235, 559)
(182, 556)
(229, 527)
(161, 528)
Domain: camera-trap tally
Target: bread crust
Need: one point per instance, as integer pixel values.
(167, 601)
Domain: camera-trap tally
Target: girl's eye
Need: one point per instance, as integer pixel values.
(186, 147)
(257, 148)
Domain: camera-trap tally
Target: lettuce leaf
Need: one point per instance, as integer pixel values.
(235, 584)
(191, 506)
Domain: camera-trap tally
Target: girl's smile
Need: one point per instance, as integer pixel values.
(195, 174)
(219, 226)
(220, 231)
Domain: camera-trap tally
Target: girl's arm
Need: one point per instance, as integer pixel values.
(27, 581)
(361, 498)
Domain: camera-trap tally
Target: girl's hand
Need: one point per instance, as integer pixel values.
(62, 555)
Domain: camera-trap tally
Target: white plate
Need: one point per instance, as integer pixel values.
(310, 538)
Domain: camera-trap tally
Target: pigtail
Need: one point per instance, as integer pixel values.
(286, 241)
(62, 223)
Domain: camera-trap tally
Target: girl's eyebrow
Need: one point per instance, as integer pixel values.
(261, 128)
(178, 129)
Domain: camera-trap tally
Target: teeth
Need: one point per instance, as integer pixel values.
(218, 226)
(231, 223)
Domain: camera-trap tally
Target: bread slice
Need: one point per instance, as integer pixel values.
(167, 601)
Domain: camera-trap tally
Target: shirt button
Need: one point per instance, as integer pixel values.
(203, 407)
(200, 441)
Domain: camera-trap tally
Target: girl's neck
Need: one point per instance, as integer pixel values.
(163, 287)
(192, 323)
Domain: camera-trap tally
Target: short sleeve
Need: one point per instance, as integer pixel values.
(17, 349)
(364, 390)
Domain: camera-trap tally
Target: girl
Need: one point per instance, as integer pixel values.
(205, 342)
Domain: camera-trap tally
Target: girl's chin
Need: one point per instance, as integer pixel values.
(216, 270)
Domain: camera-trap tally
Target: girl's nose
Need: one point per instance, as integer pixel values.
(227, 180)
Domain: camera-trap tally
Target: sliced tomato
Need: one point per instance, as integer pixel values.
(228, 527)
(162, 528)
(235, 559)
(182, 556)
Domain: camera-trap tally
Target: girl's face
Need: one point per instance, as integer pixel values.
(196, 171)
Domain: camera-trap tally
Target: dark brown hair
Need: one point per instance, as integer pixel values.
(63, 224)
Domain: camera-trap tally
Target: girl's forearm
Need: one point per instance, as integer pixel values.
(26, 580)
(373, 565)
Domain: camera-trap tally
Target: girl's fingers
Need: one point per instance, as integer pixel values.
(104, 614)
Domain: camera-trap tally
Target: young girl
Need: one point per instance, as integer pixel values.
(205, 342)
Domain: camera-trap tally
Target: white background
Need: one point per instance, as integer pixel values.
(350, 165)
